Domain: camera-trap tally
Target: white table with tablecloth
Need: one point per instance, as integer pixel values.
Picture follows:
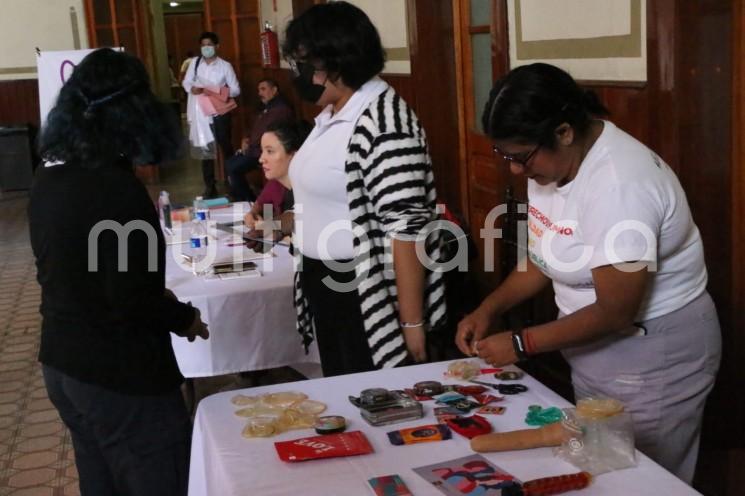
(251, 320)
(223, 463)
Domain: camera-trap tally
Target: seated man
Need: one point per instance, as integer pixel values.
(275, 110)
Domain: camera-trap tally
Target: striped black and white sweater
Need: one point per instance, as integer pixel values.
(391, 194)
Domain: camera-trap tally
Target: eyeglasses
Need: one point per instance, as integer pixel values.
(520, 159)
(297, 68)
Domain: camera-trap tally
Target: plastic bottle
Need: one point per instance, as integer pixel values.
(198, 237)
(199, 242)
(201, 210)
(165, 209)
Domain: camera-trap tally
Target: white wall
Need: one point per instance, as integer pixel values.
(389, 16)
(27, 24)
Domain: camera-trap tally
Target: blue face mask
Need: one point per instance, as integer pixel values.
(208, 51)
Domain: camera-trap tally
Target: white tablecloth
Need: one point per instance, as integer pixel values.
(251, 320)
(223, 463)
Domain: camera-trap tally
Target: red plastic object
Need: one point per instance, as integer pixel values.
(471, 390)
(557, 485)
(269, 48)
(485, 399)
(469, 427)
(328, 446)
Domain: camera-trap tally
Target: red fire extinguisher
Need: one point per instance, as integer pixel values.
(269, 47)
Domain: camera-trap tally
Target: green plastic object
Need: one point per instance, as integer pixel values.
(538, 416)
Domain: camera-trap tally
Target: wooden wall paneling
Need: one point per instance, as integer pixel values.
(434, 91)
(173, 38)
(182, 31)
(460, 68)
(300, 6)
(736, 342)
(738, 188)
(709, 80)
(19, 102)
(114, 23)
(704, 77)
(404, 86)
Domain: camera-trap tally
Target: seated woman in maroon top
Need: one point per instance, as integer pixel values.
(278, 145)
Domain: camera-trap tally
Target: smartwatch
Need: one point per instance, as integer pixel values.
(519, 345)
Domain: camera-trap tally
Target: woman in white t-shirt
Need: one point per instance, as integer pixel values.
(609, 226)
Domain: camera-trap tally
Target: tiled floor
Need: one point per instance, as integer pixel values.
(36, 455)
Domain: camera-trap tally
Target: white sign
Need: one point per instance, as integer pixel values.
(54, 69)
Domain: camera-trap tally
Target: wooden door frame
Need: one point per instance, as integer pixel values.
(140, 26)
(460, 84)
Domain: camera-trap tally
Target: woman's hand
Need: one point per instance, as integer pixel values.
(416, 343)
(473, 327)
(251, 220)
(197, 328)
(195, 90)
(497, 350)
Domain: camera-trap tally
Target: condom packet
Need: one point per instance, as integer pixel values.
(420, 434)
(328, 446)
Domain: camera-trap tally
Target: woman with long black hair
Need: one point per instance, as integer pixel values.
(106, 352)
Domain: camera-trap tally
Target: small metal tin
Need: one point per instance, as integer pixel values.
(428, 388)
(374, 396)
(508, 375)
(330, 424)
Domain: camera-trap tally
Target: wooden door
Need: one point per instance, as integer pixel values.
(482, 58)
(118, 23)
(182, 31)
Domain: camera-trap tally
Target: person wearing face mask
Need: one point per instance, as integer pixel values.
(208, 73)
(274, 110)
(363, 187)
(610, 228)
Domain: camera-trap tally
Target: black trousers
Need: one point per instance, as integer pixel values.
(338, 321)
(236, 167)
(221, 128)
(124, 445)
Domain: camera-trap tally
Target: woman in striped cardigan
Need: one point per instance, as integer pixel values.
(365, 197)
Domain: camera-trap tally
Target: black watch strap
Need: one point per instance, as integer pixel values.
(519, 344)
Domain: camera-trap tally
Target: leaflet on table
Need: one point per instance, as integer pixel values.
(472, 474)
(242, 257)
(233, 275)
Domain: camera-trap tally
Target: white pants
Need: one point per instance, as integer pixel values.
(663, 378)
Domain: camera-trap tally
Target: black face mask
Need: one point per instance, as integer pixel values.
(303, 82)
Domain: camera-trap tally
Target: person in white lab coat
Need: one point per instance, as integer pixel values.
(209, 71)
